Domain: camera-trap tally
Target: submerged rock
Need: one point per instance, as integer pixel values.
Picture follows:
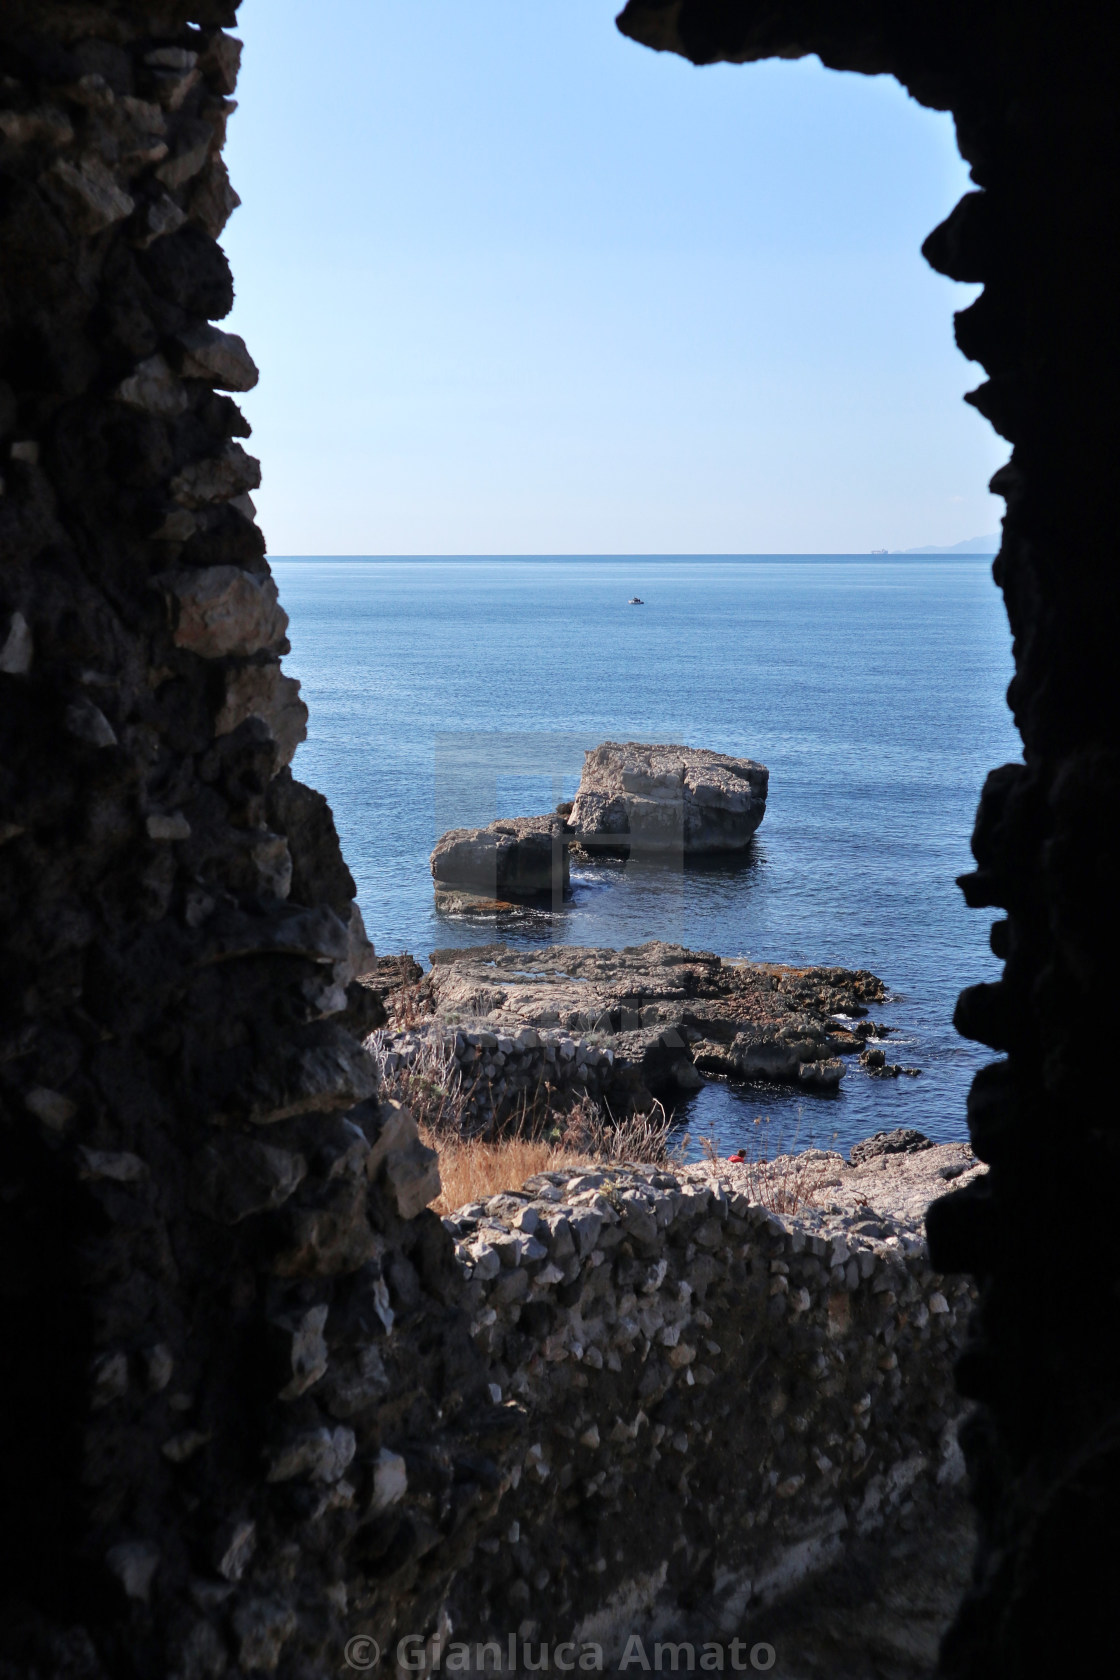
(667, 798)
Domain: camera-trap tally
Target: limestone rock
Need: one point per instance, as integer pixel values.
(904, 1140)
(134, 1563)
(390, 1479)
(155, 388)
(264, 691)
(410, 1169)
(519, 857)
(17, 647)
(219, 357)
(223, 610)
(217, 478)
(321, 1455)
(91, 192)
(667, 798)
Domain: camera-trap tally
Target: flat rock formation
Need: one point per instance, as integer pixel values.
(672, 1014)
(667, 798)
(508, 862)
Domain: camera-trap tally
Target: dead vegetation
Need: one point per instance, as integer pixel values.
(473, 1168)
(782, 1182)
(536, 1137)
(539, 1137)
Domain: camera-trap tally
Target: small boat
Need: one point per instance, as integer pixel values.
(880, 551)
(635, 601)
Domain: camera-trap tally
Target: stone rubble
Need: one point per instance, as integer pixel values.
(710, 1379)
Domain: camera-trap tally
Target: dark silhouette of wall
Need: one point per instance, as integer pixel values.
(1029, 90)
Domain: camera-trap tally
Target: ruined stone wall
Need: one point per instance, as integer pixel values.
(719, 1400)
(1030, 91)
(209, 1227)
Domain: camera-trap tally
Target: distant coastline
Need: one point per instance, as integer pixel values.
(971, 545)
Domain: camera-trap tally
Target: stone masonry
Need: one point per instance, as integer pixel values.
(250, 1405)
(719, 1399)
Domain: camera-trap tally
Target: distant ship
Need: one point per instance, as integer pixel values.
(880, 551)
(635, 601)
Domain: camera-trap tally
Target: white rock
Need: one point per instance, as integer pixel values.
(17, 649)
(390, 1480)
(155, 388)
(222, 358)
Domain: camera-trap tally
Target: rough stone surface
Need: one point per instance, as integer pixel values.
(634, 797)
(629, 1026)
(903, 1141)
(519, 858)
(722, 1402)
(224, 1295)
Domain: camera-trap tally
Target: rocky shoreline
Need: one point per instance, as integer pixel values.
(626, 1028)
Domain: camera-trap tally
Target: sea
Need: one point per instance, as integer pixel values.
(446, 692)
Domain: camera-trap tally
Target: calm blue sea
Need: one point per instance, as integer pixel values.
(451, 691)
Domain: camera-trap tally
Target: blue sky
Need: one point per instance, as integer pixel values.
(517, 285)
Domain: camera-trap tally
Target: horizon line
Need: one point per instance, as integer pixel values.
(949, 553)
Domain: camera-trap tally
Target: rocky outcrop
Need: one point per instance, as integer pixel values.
(671, 802)
(511, 861)
(667, 799)
(653, 1020)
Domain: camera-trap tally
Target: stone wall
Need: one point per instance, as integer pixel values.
(208, 1223)
(496, 1074)
(719, 1400)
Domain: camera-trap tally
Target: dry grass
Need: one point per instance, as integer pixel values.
(591, 1129)
(408, 1007)
(471, 1169)
(535, 1137)
(474, 1168)
(430, 1086)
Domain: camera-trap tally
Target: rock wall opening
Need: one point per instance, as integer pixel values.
(253, 1409)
